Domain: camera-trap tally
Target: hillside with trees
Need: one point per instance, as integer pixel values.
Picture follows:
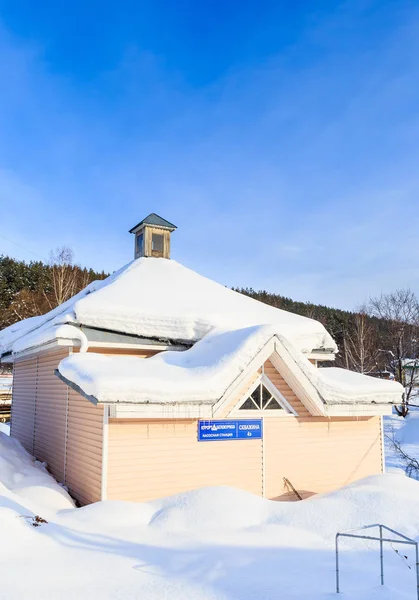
(379, 338)
(34, 288)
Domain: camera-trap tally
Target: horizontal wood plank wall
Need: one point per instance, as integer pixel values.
(150, 459)
(84, 449)
(85, 437)
(286, 391)
(50, 414)
(23, 404)
(124, 352)
(232, 404)
(318, 454)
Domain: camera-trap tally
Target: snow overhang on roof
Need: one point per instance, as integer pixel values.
(200, 375)
(208, 372)
(161, 299)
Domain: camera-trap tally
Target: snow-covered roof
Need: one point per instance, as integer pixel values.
(342, 386)
(5, 382)
(204, 373)
(161, 299)
(410, 363)
(198, 375)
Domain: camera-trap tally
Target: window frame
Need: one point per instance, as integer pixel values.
(287, 409)
(139, 251)
(158, 253)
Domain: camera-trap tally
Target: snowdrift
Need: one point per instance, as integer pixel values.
(214, 543)
(392, 499)
(27, 481)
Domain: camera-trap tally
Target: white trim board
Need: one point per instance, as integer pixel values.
(105, 434)
(358, 410)
(160, 411)
(231, 392)
(74, 343)
(36, 350)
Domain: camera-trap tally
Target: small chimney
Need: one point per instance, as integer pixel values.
(152, 237)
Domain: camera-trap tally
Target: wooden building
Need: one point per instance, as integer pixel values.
(158, 380)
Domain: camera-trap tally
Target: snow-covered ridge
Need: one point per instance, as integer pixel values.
(160, 298)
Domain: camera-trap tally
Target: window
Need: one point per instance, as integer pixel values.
(140, 238)
(157, 243)
(264, 396)
(261, 399)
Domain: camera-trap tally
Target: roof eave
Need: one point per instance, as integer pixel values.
(163, 224)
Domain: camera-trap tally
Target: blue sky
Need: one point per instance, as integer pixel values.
(281, 137)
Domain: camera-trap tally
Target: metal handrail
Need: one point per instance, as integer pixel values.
(402, 540)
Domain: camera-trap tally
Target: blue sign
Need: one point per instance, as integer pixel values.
(243, 429)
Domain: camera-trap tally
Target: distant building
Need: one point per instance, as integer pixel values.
(382, 374)
(158, 380)
(410, 368)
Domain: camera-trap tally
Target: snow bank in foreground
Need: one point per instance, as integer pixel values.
(391, 499)
(5, 428)
(210, 544)
(406, 432)
(28, 479)
(388, 499)
(212, 508)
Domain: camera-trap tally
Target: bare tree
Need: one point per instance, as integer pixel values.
(411, 464)
(63, 275)
(399, 337)
(360, 344)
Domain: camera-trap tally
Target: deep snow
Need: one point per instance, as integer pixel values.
(404, 430)
(209, 544)
(160, 298)
(203, 373)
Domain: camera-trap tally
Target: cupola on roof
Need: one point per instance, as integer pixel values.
(152, 237)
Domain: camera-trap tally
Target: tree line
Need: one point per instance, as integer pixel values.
(29, 289)
(381, 338)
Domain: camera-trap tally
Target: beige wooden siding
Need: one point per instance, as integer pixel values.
(318, 454)
(151, 459)
(84, 449)
(225, 411)
(23, 404)
(125, 352)
(285, 390)
(50, 414)
(58, 426)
